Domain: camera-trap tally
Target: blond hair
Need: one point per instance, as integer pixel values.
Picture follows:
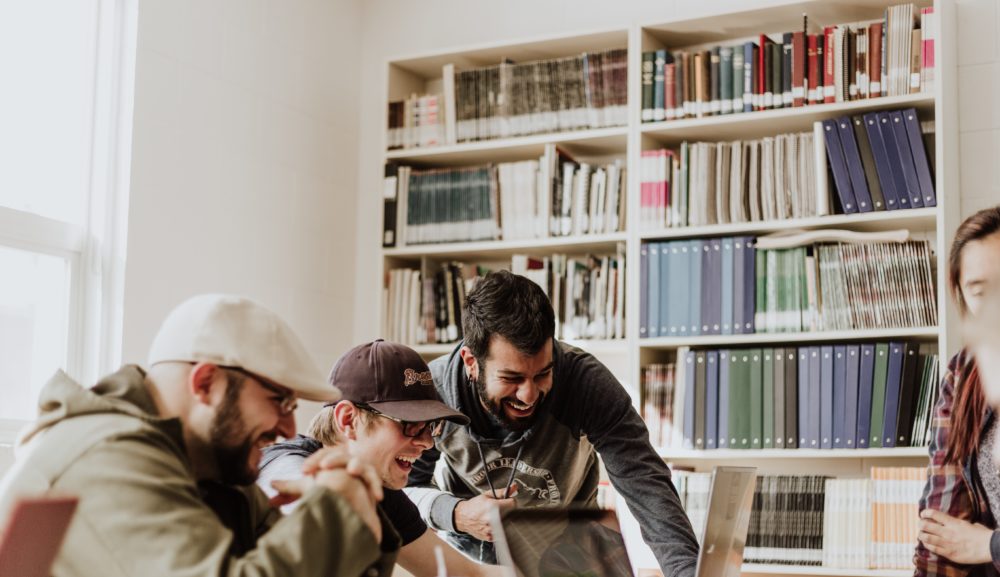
(323, 426)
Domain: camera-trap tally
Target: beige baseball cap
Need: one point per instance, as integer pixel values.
(234, 331)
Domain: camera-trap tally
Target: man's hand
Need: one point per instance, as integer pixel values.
(954, 539)
(353, 479)
(473, 515)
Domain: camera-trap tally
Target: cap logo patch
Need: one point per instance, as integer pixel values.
(412, 377)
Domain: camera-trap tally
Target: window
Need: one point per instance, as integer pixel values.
(66, 110)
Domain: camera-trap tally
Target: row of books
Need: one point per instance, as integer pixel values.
(891, 57)
(426, 308)
(852, 523)
(887, 503)
(730, 286)
(879, 161)
(831, 396)
(552, 196)
(705, 183)
(588, 90)
(416, 121)
(587, 294)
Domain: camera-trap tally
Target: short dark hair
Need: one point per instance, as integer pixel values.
(511, 306)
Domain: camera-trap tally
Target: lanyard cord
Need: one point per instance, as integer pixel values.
(513, 470)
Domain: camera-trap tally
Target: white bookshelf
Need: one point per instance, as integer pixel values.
(754, 569)
(420, 73)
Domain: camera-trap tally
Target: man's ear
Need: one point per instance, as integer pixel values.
(345, 419)
(471, 364)
(202, 381)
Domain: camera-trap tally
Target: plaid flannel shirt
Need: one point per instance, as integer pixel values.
(949, 488)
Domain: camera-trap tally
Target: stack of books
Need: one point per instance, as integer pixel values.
(889, 57)
(831, 396)
(863, 523)
(704, 183)
(730, 286)
(879, 161)
(550, 197)
(588, 90)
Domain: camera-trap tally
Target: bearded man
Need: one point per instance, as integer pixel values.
(540, 413)
(163, 460)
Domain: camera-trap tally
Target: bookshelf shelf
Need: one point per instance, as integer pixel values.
(752, 569)
(505, 248)
(922, 220)
(628, 357)
(769, 338)
(747, 125)
(595, 346)
(690, 455)
(585, 143)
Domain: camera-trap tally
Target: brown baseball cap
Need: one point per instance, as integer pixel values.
(392, 379)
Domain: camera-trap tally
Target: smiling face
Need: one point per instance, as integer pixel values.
(511, 384)
(247, 420)
(380, 441)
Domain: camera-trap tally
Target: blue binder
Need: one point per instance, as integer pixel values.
(855, 169)
(644, 290)
(826, 397)
(727, 286)
(839, 395)
(711, 398)
(851, 396)
(866, 374)
(895, 167)
(722, 434)
(893, 379)
(920, 159)
(838, 165)
(694, 281)
(653, 312)
(906, 159)
(882, 165)
(668, 280)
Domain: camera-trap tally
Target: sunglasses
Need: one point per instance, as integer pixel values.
(410, 428)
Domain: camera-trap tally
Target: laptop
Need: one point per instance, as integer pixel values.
(34, 534)
(559, 542)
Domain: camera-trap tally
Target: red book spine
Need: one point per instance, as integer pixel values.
(829, 88)
(798, 68)
(875, 60)
(669, 88)
(813, 67)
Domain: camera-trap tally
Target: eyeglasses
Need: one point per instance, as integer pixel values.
(412, 429)
(287, 403)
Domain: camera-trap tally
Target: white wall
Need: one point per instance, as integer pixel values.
(979, 113)
(393, 29)
(244, 163)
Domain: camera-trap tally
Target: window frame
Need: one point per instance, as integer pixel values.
(96, 251)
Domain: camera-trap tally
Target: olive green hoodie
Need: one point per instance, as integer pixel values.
(140, 511)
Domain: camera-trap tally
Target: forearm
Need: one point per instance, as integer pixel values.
(437, 507)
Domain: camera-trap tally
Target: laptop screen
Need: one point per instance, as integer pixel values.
(562, 542)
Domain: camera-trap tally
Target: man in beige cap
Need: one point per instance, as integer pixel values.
(164, 461)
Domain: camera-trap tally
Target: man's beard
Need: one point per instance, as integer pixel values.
(233, 461)
(495, 408)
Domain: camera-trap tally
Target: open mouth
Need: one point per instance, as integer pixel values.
(405, 463)
(518, 409)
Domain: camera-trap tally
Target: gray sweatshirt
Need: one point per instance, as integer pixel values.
(586, 413)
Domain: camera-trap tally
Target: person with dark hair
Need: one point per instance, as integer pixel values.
(961, 500)
(540, 412)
